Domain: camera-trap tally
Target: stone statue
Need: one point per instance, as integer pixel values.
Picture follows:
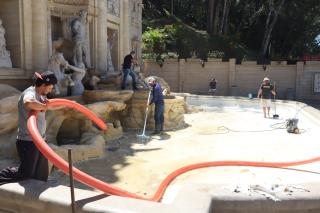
(58, 64)
(79, 36)
(5, 60)
(77, 77)
(114, 7)
(110, 67)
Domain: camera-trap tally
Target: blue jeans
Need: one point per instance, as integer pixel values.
(127, 72)
(158, 113)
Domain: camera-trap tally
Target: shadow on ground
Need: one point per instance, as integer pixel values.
(116, 155)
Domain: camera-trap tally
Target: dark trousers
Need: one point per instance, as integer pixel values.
(127, 72)
(32, 165)
(158, 113)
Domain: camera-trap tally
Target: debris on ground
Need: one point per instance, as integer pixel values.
(272, 192)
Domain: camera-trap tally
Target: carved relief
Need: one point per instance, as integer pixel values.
(136, 11)
(5, 60)
(136, 7)
(113, 7)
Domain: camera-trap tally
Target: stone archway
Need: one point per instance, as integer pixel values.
(69, 132)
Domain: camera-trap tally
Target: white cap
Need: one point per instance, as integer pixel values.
(151, 79)
(266, 79)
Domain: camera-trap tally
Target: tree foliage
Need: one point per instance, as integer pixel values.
(253, 29)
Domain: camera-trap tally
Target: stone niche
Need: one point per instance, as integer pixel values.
(113, 50)
(62, 13)
(57, 32)
(68, 128)
(69, 132)
(10, 16)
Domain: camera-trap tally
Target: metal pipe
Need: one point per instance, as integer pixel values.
(73, 204)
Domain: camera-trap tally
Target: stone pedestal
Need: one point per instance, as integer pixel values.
(5, 61)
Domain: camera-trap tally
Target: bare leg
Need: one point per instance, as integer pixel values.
(264, 111)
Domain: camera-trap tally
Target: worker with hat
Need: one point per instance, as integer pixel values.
(157, 99)
(265, 93)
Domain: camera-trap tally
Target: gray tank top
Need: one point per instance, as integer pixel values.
(23, 133)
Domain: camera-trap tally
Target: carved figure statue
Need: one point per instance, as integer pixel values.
(91, 79)
(5, 60)
(110, 67)
(77, 77)
(58, 64)
(79, 36)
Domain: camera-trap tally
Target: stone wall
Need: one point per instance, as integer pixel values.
(192, 76)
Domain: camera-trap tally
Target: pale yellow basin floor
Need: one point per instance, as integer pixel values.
(140, 168)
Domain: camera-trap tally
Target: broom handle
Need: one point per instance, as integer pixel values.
(274, 97)
(145, 120)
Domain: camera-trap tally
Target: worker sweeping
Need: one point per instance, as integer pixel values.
(265, 91)
(157, 99)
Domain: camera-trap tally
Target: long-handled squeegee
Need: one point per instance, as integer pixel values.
(143, 136)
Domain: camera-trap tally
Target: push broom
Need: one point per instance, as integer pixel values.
(143, 136)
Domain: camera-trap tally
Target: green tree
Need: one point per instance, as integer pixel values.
(271, 29)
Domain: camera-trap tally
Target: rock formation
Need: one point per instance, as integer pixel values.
(8, 119)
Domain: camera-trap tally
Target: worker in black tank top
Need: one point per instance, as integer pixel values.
(127, 64)
(265, 93)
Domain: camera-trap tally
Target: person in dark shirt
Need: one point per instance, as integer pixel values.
(212, 86)
(265, 93)
(126, 69)
(157, 99)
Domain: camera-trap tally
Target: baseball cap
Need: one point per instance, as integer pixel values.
(151, 79)
(46, 78)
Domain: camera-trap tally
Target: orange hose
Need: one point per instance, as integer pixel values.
(112, 190)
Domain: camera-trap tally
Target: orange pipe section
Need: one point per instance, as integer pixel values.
(112, 190)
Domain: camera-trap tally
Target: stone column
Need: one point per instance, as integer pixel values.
(232, 76)
(39, 34)
(102, 37)
(27, 62)
(125, 28)
(49, 31)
